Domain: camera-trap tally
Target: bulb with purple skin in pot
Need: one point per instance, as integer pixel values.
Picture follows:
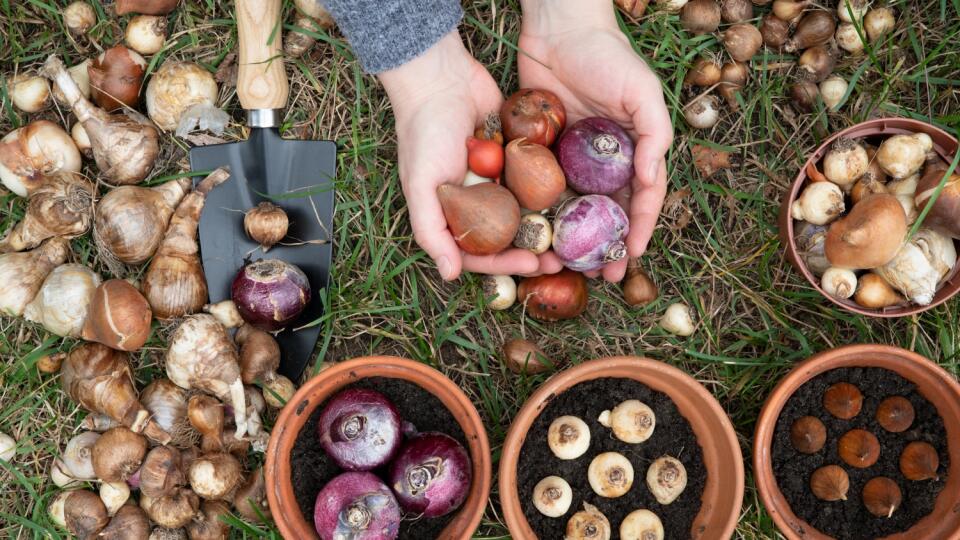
(360, 429)
(356, 506)
(431, 474)
(588, 232)
(596, 156)
(270, 293)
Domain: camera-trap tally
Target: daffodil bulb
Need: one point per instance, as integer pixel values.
(920, 265)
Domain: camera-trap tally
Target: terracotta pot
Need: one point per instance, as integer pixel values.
(723, 492)
(933, 383)
(283, 505)
(943, 143)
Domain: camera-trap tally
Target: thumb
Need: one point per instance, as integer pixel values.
(651, 123)
(430, 228)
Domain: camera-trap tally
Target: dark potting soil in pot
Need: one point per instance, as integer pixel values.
(311, 468)
(672, 436)
(850, 520)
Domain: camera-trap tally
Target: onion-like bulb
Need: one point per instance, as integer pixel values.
(209, 523)
(588, 524)
(116, 77)
(162, 472)
(146, 33)
(31, 153)
(130, 221)
(568, 437)
(260, 360)
(183, 95)
(251, 497)
(167, 403)
(552, 496)
(8, 447)
(171, 511)
(119, 316)
(129, 523)
(641, 525)
(215, 476)
(124, 148)
(206, 416)
(62, 304)
(201, 356)
(79, 17)
(632, 421)
(100, 379)
(114, 495)
(702, 112)
(80, 75)
(266, 224)
(22, 274)
(174, 283)
(62, 206)
(85, 514)
(78, 456)
(29, 93)
(666, 479)
(610, 475)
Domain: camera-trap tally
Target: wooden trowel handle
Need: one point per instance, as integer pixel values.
(262, 79)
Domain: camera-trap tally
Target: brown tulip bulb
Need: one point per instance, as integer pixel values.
(774, 31)
(482, 218)
(920, 461)
(742, 41)
(815, 28)
(859, 448)
(733, 77)
(895, 414)
(119, 316)
(808, 434)
(700, 16)
(843, 400)
(704, 72)
(638, 288)
(882, 496)
(830, 483)
(523, 356)
(116, 77)
(816, 63)
(553, 297)
(736, 11)
(266, 224)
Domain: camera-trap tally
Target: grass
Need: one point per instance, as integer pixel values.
(716, 247)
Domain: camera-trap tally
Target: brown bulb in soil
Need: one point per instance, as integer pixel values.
(882, 496)
(742, 41)
(815, 28)
(704, 72)
(895, 414)
(804, 95)
(482, 218)
(843, 400)
(116, 77)
(638, 288)
(700, 16)
(266, 224)
(816, 63)
(920, 461)
(808, 434)
(523, 356)
(736, 11)
(733, 77)
(830, 483)
(859, 448)
(774, 31)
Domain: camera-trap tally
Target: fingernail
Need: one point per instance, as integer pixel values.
(652, 171)
(443, 266)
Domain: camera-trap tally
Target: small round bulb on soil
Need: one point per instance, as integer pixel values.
(523, 356)
(641, 525)
(830, 483)
(677, 320)
(610, 475)
(859, 448)
(552, 496)
(632, 421)
(808, 435)
(568, 437)
(666, 478)
(266, 224)
(895, 414)
(843, 400)
(882, 496)
(535, 233)
(588, 524)
(919, 461)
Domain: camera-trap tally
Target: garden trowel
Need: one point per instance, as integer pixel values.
(295, 175)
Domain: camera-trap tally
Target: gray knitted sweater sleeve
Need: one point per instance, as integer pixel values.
(385, 34)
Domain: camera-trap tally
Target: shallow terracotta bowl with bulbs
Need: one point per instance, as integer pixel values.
(932, 381)
(723, 491)
(293, 418)
(943, 143)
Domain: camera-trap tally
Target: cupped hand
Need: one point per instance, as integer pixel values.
(438, 98)
(576, 50)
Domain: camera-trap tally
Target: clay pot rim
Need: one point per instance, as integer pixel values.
(283, 505)
(944, 144)
(658, 376)
(909, 365)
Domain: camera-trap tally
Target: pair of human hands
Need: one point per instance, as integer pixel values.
(575, 51)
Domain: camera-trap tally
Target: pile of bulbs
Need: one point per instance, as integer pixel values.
(887, 186)
(860, 449)
(793, 26)
(610, 475)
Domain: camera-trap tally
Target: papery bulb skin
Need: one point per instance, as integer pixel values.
(589, 232)
(597, 156)
(360, 429)
(270, 293)
(130, 221)
(356, 506)
(431, 474)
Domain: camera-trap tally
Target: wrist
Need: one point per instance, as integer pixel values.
(432, 70)
(545, 17)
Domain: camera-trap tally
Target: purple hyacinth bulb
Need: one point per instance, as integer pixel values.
(588, 232)
(596, 156)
